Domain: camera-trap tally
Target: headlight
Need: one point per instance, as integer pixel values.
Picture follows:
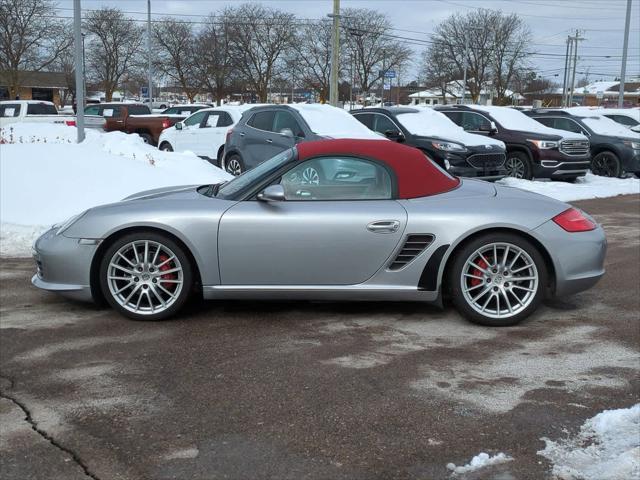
(448, 146)
(61, 227)
(634, 145)
(544, 144)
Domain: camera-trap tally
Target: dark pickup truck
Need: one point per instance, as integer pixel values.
(133, 118)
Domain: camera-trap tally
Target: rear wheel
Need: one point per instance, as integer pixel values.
(166, 147)
(607, 164)
(147, 138)
(146, 276)
(518, 165)
(233, 165)
(498, 279)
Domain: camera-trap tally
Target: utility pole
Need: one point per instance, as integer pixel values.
(575, 61)
(384, 61)
(79, 67)
(464, 68)
(149, 53)
(625, 47)
(565, 80)
(335, 54)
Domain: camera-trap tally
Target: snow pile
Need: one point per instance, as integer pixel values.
(45, 177)
(589, 186)
(606, 448)
(479, 461)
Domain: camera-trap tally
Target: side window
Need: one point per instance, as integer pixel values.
(366, 119)
(41, 109)
(194, 119)
(547, 122)
(567, 124)
(286, 120)
(92, 110)
(337, 178)
(384, 124)
(225, 120)
(213, 120)
(262, 120)
(472, 121)
(623, 120)
(10, 110)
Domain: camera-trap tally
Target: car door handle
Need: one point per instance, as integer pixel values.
(241, 134)
(384, 226)
(269, 140)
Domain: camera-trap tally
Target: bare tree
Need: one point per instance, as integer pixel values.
(212, 56)
(438, 71)
(175, 55)
(511, 37)
(369, 43)
(30, 38)
(114, 43)
(312, 55)
(261, 36)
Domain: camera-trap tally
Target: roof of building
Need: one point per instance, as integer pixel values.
(37, 79)
(416, 175)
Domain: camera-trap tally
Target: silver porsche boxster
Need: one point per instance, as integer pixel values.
(328, 220)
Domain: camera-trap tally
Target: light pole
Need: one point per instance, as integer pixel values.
(149, 53)
(625, 47)
(79, 67)
(84, 68)
(335, 54)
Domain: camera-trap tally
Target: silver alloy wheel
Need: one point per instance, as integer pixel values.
(145, 277)
(499, 280)
(515, 167)
(310, 176)
(233, 167)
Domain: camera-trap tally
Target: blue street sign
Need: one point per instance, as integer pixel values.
(390, 74)
(144, 92)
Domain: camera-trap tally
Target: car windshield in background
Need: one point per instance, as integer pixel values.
(138, 110)
(41, 109)
(332, 122)
(427, 123)
(606, 126)
(182, 110)
(515, 120)
(230, 189)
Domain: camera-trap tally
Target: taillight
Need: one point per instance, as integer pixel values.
(573, 220)
(70, 123)
(166, 123)
(229, 132)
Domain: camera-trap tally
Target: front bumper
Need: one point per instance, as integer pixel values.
(578, 258)
(64, 265)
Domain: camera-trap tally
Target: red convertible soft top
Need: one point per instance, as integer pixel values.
(417, 176)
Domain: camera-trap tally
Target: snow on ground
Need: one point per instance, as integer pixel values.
(479, 461)
(589, 186)
(606, 448)
(45, 177)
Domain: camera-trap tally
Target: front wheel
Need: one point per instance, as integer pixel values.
(146, 276)
(233, 165)
(518, 165)
(166, 147)
(607, 164)
(498, 279)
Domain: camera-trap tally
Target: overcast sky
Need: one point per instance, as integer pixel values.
(601, 22)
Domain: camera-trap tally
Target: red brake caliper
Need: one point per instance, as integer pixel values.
(167, 276)
(476, 281)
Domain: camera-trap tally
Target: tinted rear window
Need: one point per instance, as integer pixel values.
(10, 110)
(262, 120)
(41, 109)
(138, 110)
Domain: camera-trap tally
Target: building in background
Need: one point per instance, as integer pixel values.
(49, 86)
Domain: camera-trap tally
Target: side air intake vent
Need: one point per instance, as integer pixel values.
(413, 246)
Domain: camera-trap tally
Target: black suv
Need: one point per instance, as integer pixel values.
(614, 148)
(461, 153)
(533, 150)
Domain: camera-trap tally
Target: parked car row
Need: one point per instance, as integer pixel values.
(18, 111)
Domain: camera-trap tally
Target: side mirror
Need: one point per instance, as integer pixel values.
(178, 126)
(394, 135)
(287, 132)
(273, 193)
(488, 127)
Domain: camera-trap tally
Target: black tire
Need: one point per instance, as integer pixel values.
(147, 138)
(166, 147)
(184, 262)
(607, 164)
(455, 276)
(220, 156)
(163, 107)
(229, 164)
(519, 165)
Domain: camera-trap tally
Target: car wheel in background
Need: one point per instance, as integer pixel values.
(606, 164)
(146, 276)
(497, 279)
(163, 106)
(147, 138)
(166, 147)
(518, 165)
(233, 165)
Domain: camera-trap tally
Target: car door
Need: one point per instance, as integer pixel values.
(187, 138)
(338, 225)
(212, 133)
(258, 139)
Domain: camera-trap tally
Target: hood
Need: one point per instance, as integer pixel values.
(466, 139)
(183, 191)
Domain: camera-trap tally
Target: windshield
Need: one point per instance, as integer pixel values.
(247, 179)
(606, 126)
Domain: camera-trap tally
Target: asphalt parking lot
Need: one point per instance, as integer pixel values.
(258, 390)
